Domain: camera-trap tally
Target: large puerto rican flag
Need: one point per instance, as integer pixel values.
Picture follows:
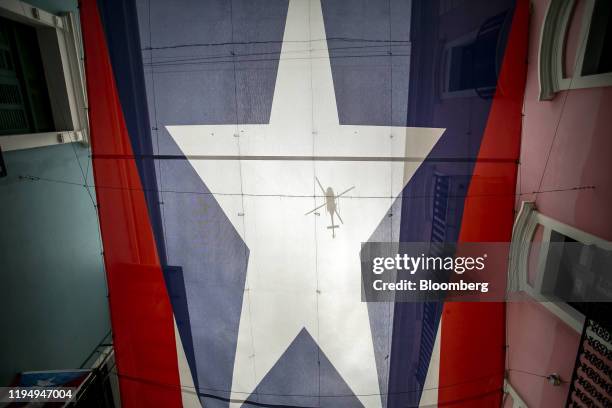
(244, 150)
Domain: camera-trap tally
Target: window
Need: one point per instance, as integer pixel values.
(471, 62)
(24, 100)
(597, 55)
(576, 271)
(590, 62)
(42, 93)
(570, 264)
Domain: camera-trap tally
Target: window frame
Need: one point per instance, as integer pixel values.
(62, 57)
(525, 226)
(461, 41)
(553, 39)
(498, 24)
(517, 401)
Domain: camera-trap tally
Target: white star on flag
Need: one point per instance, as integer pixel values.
(264, 177)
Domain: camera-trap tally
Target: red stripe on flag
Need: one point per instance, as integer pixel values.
(141, 314)
(472, 346)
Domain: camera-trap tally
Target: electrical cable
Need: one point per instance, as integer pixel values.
(233, 43)
(32, 178)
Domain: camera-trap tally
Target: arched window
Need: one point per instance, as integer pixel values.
(540, 269)
(574, 46)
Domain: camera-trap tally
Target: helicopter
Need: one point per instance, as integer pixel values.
(331, 205)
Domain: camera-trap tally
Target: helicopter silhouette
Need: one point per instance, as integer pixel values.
(331, 205)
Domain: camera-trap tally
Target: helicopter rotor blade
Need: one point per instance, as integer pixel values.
(344, 192)
(339, 217)
(315, 209)
(321, 187)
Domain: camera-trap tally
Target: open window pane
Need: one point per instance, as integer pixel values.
(24, 98)
(597, 57)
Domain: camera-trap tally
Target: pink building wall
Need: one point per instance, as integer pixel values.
(566, 168)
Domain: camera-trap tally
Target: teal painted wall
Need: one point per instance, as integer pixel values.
(53, 303)
(52, 291)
